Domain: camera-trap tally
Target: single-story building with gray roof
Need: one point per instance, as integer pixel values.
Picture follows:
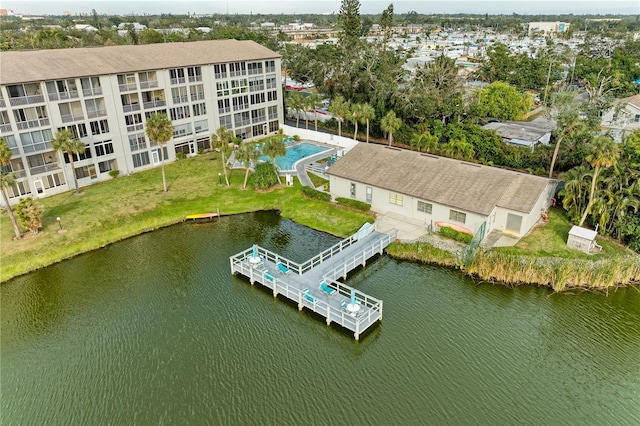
(434, 189)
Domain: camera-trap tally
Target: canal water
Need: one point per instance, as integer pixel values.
(155, 330)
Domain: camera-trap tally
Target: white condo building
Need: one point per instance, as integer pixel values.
(104, 94)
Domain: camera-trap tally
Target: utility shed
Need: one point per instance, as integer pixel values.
(582, 239)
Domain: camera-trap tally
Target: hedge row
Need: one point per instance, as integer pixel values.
(365, 207)
(318, 195)
(449, 232)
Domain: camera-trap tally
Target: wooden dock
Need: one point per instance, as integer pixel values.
(303, 283)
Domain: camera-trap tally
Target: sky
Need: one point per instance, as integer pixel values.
(139, 7)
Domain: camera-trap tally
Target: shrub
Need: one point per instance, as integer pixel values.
(296, 138)
(114, 173)
(449, 232)
(28, 213)
(365, 207)
(318, 195)
(264, 176)
(181, 155)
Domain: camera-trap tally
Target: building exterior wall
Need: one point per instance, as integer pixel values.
(123, 104)
(499, 221)
(578, 243)
(381, 202)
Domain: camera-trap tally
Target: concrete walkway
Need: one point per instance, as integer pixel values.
(301, 166)
(408, 229)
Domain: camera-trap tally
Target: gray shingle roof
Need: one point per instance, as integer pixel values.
(39, 65)
(454, 183)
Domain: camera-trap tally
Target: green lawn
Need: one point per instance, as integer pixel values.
(550, 240)
(129, 205)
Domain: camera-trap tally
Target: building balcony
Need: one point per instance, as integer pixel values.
(180, 99)
(58, 96)
(5, 128)
(92, 92)
(68, 118)
(18, 174)
(197, 96)
(237, 73)
(41, 146)
(135, 127)
(44, 168)
(178, 80)
(194, 78)
(127, 87)
(150, 84)
(220, 75)
(26, 100)
(97, 113)
(224, 110)
(154, 104)
(2, 103)
(131, 107)
(30, 124)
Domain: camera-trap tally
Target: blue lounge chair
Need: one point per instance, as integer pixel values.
(310, 298)
(268, 276)
(324, 287)
(282, 268)
(344, 305)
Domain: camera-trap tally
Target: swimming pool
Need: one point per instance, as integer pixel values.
(295, 153)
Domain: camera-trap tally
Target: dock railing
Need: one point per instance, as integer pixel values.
(361, 257)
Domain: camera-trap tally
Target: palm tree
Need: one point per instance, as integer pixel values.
(247, 154)
(306, 107)
(353, 116)
(569, 124)
(6, 180)
(576, 189)
(338, 108)
(65, 142)
(390, 123)
(220, 140)
(160, 130)
(602, 152)
(315, 102)
(367, 114)
(459, 148)
(425, 141)
(295, 101)
(273, 148)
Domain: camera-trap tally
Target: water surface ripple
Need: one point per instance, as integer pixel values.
(155, 330)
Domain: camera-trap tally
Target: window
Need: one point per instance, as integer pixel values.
(53, 180)
(270, 66)
(127, 82)
(272, 96)
(36, 141)
(254, 68)
(177, 76)
(274, 126)
(239, 86)
(369, 194)
(179, 95)
(637, 118)
(199, 109)
(257, 116)
(425, 207)
(257, 130)
(140, 159)
(86, 171)
(107, 166)
(178, 113)
(224, 106)
(272, 111)
(352, 190)
(182, 130)
(457, 216)
(134, 122)
(137, 142)
(257, 98)
(201, 126)
(99, 127)
(256, 84)
(271, 83)
(225, 121)
(237, 69)
(91, 86)
(18, 189)
(197, 92)
(220, 70)
(194, 73)
(396, 199)
(77, 130)
(240, 103)
(103, 148)
(222, 88)
(78, 157)
(148, 79)
(242, 119)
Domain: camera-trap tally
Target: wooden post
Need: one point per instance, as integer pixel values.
(275, 287)
(251, 280)
(299, 300)
(328, 314)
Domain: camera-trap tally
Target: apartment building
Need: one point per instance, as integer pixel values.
(104, 94)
